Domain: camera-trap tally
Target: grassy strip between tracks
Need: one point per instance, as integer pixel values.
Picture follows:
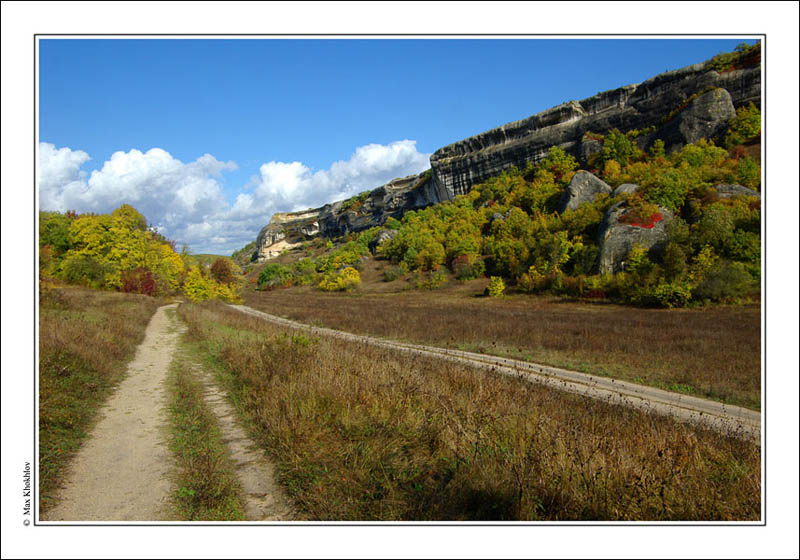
(206, 487)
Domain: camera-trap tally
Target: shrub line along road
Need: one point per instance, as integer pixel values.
(728, 419)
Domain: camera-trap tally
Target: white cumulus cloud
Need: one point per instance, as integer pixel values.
(186, 202)
(291, 186)
(60, 174)
(167, 191)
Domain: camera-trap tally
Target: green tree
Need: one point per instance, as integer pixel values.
(496, 286)
(745, 126)
(618, 147)
(274, 275)
(199, 287)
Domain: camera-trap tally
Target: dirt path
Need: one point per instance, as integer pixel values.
(265, 499)
(121, 472)
(727, 419)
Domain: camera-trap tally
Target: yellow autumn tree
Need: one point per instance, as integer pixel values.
(104, 247)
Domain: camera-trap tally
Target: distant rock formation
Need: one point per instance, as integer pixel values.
(287, 230)
(284, 231)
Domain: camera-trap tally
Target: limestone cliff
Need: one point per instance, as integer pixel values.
(286, 230)
(678, 107)
(459, 166)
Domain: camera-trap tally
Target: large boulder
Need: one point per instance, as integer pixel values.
(617, 238)
(706, 116)
(583, 187)
(729, 191)
(380, 238)
(625, 188)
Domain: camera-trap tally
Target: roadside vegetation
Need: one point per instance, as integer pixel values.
(365, 433)
(508, 227)
(86, 338)
(206, 487)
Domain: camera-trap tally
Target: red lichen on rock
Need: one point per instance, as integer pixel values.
(632, 219)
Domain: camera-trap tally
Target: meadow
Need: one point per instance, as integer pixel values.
(366, 433)
(712, 352)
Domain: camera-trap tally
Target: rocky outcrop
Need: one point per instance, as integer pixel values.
(625, 188)
(393, 199)
(380, 238)
(706, 116)
(459, 166)
(390, 200)
(284, 231)
(583, 187)
(616, 238)
(729, 191)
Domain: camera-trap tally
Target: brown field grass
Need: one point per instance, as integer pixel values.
(366, 433)
(711, 353)
(85, 339)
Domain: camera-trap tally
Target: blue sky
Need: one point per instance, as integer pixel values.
(209, 137)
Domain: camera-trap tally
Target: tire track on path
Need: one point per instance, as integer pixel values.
(727, 419)
(264, 498)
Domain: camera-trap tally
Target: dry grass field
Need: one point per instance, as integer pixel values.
(713, 352)
(366, 433)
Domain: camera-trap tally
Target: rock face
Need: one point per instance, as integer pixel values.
(459, 166)
(390, 200)
(583, 187)
(706, 116)
(393, 199)
(284, 231)
(616, 238)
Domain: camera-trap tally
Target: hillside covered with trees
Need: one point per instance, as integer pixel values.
(510, 228)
